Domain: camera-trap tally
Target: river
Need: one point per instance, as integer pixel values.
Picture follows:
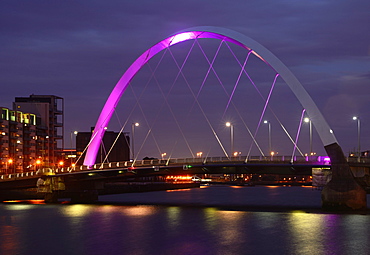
(207, 220)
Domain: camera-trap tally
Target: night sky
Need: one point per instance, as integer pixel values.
(79, 49)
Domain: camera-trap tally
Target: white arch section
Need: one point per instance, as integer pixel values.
(321, 125)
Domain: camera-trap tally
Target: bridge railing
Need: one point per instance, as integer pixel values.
(30, 174)
(172, 161)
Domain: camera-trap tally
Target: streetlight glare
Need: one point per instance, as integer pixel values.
(358, 137)
(306, 120)
(133, 125)
(228, 124)
(266, 121)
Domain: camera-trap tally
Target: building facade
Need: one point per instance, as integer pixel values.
(18, 151)
(49, 110)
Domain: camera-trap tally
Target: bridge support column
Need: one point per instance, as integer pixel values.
(342, 192)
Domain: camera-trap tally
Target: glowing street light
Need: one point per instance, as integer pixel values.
(163, 155)
(269, 130)
(7, 163)
(358, 137)
(307, 120)
(228, 124)
(199, 154)
(38, 163)
(75, 133)
(133, 125)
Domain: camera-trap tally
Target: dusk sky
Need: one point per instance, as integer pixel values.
(78, 50)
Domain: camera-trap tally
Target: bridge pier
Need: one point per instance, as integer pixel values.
(342, 192)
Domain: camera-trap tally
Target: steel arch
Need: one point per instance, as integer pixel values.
(321, 125)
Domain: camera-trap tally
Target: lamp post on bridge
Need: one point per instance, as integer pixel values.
(228, 124)
(133, 125)
(8, 162)
(307, 120)
(75, 133)
(269, 130)
(358, 138)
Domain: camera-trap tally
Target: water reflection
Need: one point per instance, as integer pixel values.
(142, 229)
(230, 232)
(173, 217)
(73, 211)
(307, 233)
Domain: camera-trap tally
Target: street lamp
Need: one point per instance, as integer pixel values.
(15, 156)
(269, 129)
(228, 124)
(163, 154)
(75, 133)
(38, 162)
(8, 162)
(307, 120)
(358, 137)
(133, 125)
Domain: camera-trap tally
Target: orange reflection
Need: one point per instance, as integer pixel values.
(139, 211)
(174, 190)
(9, 242)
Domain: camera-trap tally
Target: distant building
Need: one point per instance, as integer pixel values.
(119, 152)
(49, 110)
(18, 149)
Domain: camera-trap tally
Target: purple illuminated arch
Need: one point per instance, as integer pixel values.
(323, 129)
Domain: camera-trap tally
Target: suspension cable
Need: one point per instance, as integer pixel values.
(200, 107)
(298, 132)
(259, 92)
(236, 109)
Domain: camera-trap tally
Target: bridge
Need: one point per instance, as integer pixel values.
(343, 190)
(84, 184)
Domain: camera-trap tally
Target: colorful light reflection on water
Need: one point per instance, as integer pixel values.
(145, 229)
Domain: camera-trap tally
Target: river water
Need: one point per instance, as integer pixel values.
(208, 220)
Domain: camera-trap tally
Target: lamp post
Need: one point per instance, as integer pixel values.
(8, 162)
(75, 133)
(38, 162)
(46, 160)
(269, 130)
(358, 137)
(133, 125)
(307, 120)
(15, 156)
(228, 124)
